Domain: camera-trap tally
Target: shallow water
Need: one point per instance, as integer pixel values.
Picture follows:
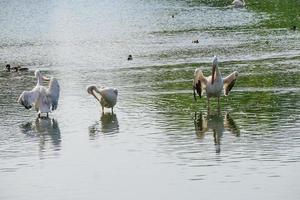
(159, 143)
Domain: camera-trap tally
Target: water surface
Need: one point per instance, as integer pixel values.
(159, 143)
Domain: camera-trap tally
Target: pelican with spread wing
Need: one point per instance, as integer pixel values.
(106, 96)
(214, 84)
(44, 99)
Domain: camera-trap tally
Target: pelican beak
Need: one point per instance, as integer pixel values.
(45, 78)
(93, 93)
(213, 74)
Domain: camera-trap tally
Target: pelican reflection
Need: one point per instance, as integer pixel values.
(108, 124)
(218, 124)
(46, 129)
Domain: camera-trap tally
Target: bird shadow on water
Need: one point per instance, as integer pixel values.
(107, 125)
(217, 123)
(46, 129)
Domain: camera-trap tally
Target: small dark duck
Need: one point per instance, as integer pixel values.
(16, 69)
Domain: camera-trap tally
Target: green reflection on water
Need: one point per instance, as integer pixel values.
(265, 97)
(266, 90)
(283, 14)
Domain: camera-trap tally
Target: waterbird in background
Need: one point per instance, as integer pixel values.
(238, 3)
(21, 69)
(294, 28)
(44, 99)
(213, 84)
(18, 68)
(106, 96)
(8, 68)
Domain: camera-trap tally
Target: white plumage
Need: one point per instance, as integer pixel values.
(42, 98)
(106, 96)
(213, 84)
(238, 3)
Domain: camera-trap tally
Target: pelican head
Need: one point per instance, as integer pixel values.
(23, 100)
(38, 75)
(214, 66)
(236, 73)
(90, 89)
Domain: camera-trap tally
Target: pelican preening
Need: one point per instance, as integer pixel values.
(213, 84)
(106, 96)
(42, 98)
(238, 3)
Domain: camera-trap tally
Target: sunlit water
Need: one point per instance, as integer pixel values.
(159, 143)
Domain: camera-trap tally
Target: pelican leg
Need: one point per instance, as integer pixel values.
(208, 107)
(102, 109)
(112, 110)
(39, 115)
(219, 105)
(47, 115)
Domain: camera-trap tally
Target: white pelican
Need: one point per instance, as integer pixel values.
(106, 96)
(238, 3)
(44, 99)
(213, 84)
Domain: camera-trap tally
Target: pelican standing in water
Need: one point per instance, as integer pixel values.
(238, 3)
(213, 84)
(42, 98)
(106, 96)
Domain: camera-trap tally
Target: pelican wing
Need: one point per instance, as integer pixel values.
(52, 93)
(29, 98)
(229, 82)
(199, 83)
(109, 95)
